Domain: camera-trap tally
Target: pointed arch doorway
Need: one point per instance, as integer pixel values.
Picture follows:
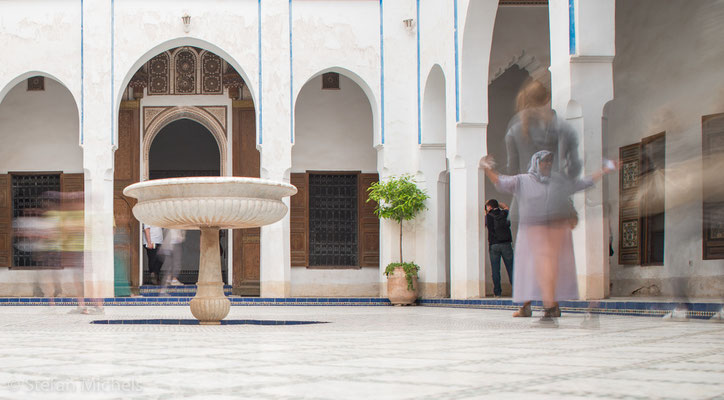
(132, 165)
(180, 149)
(222, 103)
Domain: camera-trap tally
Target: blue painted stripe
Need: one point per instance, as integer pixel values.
(260, 87)
(113, 88)
(291, 79)
(419, 103)
(382, 75)
(82, 73)
(571, 27)
(457, 69)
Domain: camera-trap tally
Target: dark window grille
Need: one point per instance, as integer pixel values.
(333, 238)
(330, 81)
(27, 195)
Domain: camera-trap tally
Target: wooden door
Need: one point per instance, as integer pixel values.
(6, 222)
(126, 172)
(246, 162)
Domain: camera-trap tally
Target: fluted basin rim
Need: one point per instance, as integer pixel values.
(214, 186)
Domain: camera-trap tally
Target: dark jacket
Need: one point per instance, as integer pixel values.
(498, 226)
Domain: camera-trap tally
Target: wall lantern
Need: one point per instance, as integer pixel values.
(187, 22)
(409, 24)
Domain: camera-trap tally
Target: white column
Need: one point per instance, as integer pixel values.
(466, 224)
(430, 225)
(98, 129)
(275, 263)
(582, 83)
(275, 150)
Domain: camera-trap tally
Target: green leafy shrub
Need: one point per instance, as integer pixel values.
(399, 199)
(410, 269)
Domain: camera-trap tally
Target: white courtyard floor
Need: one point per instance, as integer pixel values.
(362, 353)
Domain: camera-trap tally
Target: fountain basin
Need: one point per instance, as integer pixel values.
(220, 202)
(209, 204)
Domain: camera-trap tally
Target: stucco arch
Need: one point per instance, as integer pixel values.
(365, 88)
(180, 42)
(40, 130)
(433, 107)
(13, 82)
(477, 42)
(196, 114)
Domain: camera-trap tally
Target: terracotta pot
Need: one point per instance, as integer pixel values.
(397, 290)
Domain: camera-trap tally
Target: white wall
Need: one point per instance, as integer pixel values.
(333, 129)
(335, 283)
(40, 36)
(667, 75)
(39, 130)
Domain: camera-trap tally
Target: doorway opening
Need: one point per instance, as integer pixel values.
(185, 148)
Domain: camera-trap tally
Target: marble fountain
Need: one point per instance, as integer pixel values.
(209, 204)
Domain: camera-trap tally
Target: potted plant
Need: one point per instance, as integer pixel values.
(399, 199)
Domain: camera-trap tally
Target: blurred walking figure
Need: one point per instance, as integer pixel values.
(500, 241)
(71, 241)
(172, 251)
(545, 264)
(536, 127)
(152, 239)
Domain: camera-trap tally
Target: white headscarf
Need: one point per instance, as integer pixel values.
(534, 168)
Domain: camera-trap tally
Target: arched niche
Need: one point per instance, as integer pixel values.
(433, 108)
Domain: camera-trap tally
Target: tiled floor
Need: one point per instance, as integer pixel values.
(363, 353)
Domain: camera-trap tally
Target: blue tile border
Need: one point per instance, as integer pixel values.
(698, 310)
(196, 322)
(183, 300)
(609, 307)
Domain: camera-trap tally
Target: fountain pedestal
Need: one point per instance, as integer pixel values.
(209, 204)
(210, 305)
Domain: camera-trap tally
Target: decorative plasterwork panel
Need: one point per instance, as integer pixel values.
(149, 113)
(211, 73)
(523, 2)
(630, 234)
(187, 70)
(158, 74)
(630, 172)
(197, 114)
(527, 62)
(219, 112)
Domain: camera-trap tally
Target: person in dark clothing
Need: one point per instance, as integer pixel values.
(500, 240)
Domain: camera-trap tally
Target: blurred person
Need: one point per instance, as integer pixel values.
(152, 239)
(683, 183)
(533, 128)
(71, 242)
(172, 250)
(29, 241)
(545, 264)
(500, 241)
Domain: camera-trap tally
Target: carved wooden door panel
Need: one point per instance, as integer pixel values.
(246, 162)
(6, 214)
(126, 172)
